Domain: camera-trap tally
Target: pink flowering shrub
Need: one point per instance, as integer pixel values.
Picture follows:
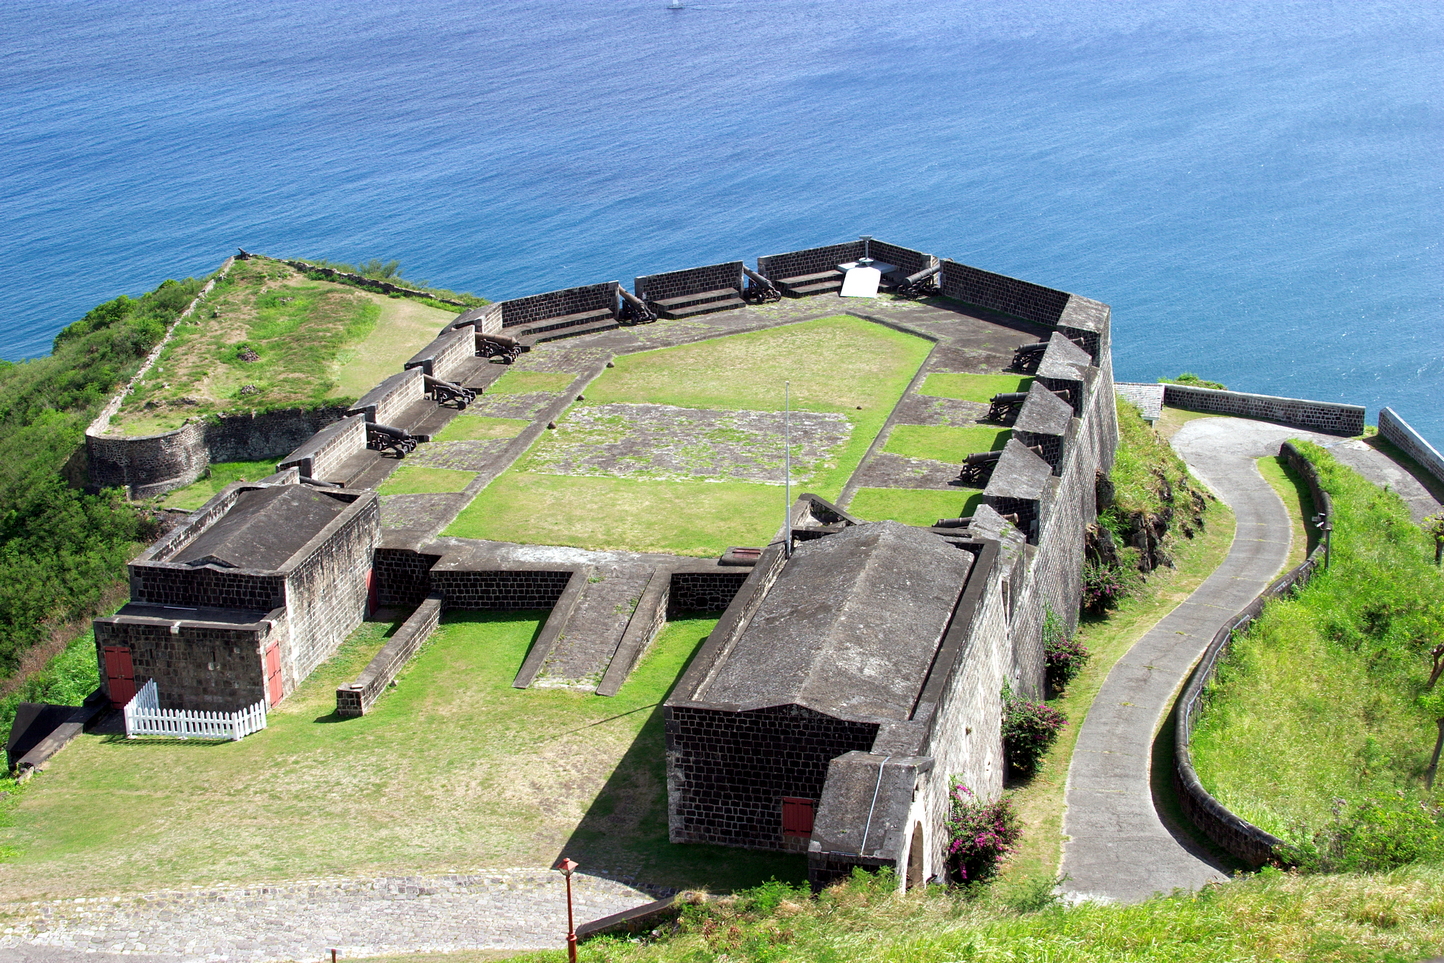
(980, 834)
(1029, 730)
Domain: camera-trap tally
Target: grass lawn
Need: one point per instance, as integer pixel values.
(1299, 502)
(453, 770)
(517, 382)
(624, 514)
(945, 443)
(269, 337)
(840, 365)
(466, 427)
(411, 480)
(972, 387)
(1040, 799)
(913, 506)
(218, 476)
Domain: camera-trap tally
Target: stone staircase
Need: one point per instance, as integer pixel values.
(806, 284)
(566, 326)
(703, 302)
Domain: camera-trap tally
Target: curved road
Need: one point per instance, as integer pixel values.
(1115, 845)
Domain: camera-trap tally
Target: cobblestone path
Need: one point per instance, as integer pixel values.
(510, 909)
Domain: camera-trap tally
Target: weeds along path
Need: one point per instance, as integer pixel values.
(1116, 846)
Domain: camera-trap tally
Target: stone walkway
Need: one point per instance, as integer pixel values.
(505, 910)
(1116, 847)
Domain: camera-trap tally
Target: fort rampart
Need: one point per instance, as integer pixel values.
(1399, 432)
(1323, 416)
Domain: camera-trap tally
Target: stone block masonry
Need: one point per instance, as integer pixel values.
(1323, 416)
(390, 399)
(996, 292)
(452, 350)
(357, 698)
(505, 590)
(323, 454)
(1398, 431)
(532, 312)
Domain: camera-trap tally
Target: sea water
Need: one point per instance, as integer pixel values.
(1255, 188)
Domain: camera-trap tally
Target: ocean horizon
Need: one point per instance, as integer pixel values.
(1255, 188)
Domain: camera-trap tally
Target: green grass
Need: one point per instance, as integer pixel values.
(913, 506)
(413, 480)
(867, 367)
(622, 514)
(217, 476)
(466, 427)
(1298, 502)
(944, 443)
(972, 387)
(517, 382)
(1316, 702)
(453, 770)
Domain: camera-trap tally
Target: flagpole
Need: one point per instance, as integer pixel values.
(787, 467)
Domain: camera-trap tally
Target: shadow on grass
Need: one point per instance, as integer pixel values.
(623, 835)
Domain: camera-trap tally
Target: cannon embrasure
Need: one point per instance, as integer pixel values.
(447, 392)
(923, 284)
(1006, 405)
(759, 290)
(978, 468)
(634, 309)
(1027, 357)
(386, 438)
(498, 346)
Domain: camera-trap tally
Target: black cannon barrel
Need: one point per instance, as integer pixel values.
(1036, 347)
(963, 522)
(500, 339)
(982, 457)
(924, 273)
(390, 431)
(1010, 398)
(757, 278)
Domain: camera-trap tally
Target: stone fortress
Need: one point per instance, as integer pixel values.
(857, 669)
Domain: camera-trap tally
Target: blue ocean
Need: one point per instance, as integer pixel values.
(1255, 187)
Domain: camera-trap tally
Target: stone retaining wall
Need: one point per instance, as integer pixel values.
(997, 292)
(356, 698)
(322, 455)
(1324, 416)
(704, 591)
(452, 350)
(1401, 433)
(680, 284)
(391, 398)
(509, 590)
(1229, 831)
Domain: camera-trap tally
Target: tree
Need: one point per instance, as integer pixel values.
(1434, 525)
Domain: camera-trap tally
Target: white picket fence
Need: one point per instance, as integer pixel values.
(145, 717)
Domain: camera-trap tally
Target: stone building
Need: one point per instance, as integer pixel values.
(245, 599)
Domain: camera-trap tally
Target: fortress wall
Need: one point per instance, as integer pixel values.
(225, 676)
(322, 455)
(392, 397)
(1324, 416)
(997, 292)
(679, 284)
(1401, 433)
(813, 260)
(355, 698)
(556, 304)
(370, 284)
(510, 590)
(266, 434)
(403, 576)
(448, 353)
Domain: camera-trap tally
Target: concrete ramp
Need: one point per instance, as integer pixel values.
(608, 601)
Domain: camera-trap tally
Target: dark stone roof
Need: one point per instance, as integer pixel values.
(264, 528)
(849, 628)
(1020, 474)
(1063, 360)
(1044, 413)
(1085, 314)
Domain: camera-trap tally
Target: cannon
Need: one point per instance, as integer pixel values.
(923, 284)
(963, 522)
(498, 346)
(634, 309)
(386, 438)
(1027, 357)
(1005, 405)
(978, 468)
(759, 289)
(446, 392)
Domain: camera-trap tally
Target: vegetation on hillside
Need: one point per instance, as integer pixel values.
(61, 550)
(1144, 502)
(1191, 380)
(1320, 726)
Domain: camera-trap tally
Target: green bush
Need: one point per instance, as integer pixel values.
(1372, 837)
(1029, 730)
(1192, 380)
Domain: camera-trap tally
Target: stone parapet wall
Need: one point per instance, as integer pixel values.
(1398, 431)
(356, 698)
(403, 576)
(704, 591)
(322, 455)
(1232, 833)
(392, 397)
(451, 351)
(692, 281)
(370, 284)
(1322, 416)
(813, 260)
(557, 304)
(996, 292)
(505, 590)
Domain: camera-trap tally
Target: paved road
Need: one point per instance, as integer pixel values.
(507, 910)
(1116, 846)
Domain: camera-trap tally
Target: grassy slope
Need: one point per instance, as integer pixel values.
(1315, 703)
(454, 769)
(217, 476)
(867, 367)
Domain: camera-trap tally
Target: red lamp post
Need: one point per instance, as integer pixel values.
(566, 867)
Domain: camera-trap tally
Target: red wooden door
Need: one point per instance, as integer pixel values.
(273, 674)
(370, 592)
(119, 675)
(797, 816)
